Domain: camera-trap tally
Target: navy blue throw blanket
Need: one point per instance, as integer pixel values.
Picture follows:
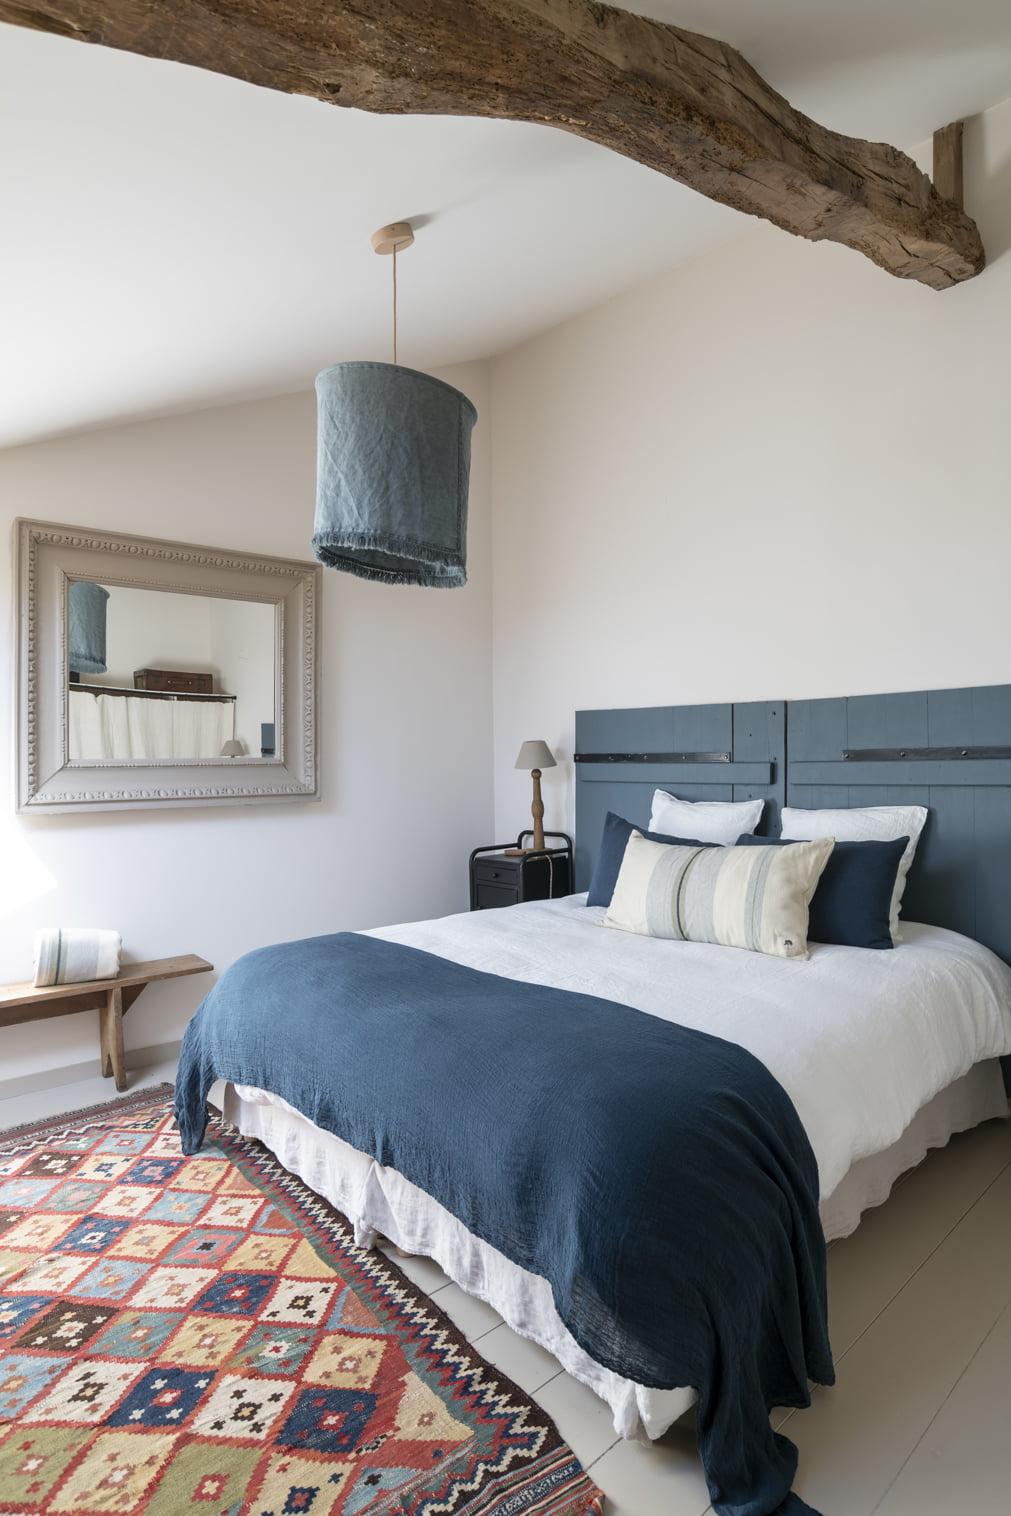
(659, 1178)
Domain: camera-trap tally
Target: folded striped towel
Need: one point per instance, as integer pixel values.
(70, 955)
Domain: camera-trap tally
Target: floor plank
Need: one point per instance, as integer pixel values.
(867, 1269)
(963, 1460)
(519, 1359)
(581, 1417)
(473, 1317)
(424, 1272)
(894, 1379)
(665, 1479)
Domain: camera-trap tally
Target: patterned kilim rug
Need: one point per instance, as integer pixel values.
(203, 1335)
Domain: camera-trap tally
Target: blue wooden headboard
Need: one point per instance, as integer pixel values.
(949, 750)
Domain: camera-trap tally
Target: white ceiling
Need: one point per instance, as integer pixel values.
(171, 238)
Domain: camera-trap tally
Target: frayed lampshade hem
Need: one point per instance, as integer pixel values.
(424, 566)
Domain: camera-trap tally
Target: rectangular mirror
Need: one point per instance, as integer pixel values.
(159, 673)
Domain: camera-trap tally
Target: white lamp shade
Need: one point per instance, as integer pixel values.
(535, 755)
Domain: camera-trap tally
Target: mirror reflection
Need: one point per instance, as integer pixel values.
(158, 675)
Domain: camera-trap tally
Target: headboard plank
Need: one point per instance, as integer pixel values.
(887, 721)
(760, 733)
(962, 875)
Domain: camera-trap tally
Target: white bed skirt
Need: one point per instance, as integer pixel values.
(377, 1199)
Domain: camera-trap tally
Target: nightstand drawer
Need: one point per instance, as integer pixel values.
(502, 873)
(489, 897)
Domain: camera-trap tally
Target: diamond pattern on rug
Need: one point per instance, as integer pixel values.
(116, 1472)
(14, 1313)
(22, 1378)
(35, 1460)
(112, 1279)
(65, 1328)
(163, 1397)
(243, 1407)
(274, 1349)
(135, 1334)
(86, 1392)
(328, 1421)
(202, 1334)
(38, 1233)
(299, 1302)
(92, 1235)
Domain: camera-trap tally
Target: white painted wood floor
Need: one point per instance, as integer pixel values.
(919, 1421)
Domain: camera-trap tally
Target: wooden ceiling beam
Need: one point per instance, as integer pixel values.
(686, 105)
(948, 163)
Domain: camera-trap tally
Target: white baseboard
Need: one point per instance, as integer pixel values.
(91, 1068)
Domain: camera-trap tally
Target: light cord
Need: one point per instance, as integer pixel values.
(394, 303)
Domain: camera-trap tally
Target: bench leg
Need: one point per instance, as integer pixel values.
(111, 1029)
(103, 1042)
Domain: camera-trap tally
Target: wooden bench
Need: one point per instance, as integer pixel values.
(110, 997)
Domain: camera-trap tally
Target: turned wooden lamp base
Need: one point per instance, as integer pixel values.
(536, 756)
(537, 812)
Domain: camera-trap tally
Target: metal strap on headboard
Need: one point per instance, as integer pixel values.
(652, 757)
(921, 754)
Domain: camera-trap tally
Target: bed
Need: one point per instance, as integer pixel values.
(883, 1055)
(867, 1123)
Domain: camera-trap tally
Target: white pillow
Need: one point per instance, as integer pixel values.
(869, 823)
(720, 821)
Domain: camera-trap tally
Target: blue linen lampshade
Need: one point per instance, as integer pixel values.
(393, 472)
(86, 630)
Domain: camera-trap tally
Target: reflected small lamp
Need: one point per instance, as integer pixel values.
(233, 748)
(536, 756)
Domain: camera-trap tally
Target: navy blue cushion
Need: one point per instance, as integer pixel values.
(853, 902)
(616, 833)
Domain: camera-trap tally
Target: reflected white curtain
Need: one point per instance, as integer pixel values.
(107, 727)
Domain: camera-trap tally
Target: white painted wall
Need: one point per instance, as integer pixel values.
(241, 634)
(774, 472)
(152, 629)
(405, 733)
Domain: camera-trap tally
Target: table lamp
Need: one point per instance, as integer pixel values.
(536, 756)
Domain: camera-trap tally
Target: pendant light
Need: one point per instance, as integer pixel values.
(393, 464)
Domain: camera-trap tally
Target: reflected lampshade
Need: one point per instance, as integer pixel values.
(86, 628)
(393, 472)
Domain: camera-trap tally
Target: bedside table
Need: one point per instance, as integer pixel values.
(499, 878)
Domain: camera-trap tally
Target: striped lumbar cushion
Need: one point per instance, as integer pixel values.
(746, 897)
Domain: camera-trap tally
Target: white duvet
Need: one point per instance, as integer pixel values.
(859, 1039)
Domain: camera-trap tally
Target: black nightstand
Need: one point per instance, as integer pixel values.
(499, 878)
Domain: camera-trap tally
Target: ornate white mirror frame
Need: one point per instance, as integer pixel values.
(49, 558)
